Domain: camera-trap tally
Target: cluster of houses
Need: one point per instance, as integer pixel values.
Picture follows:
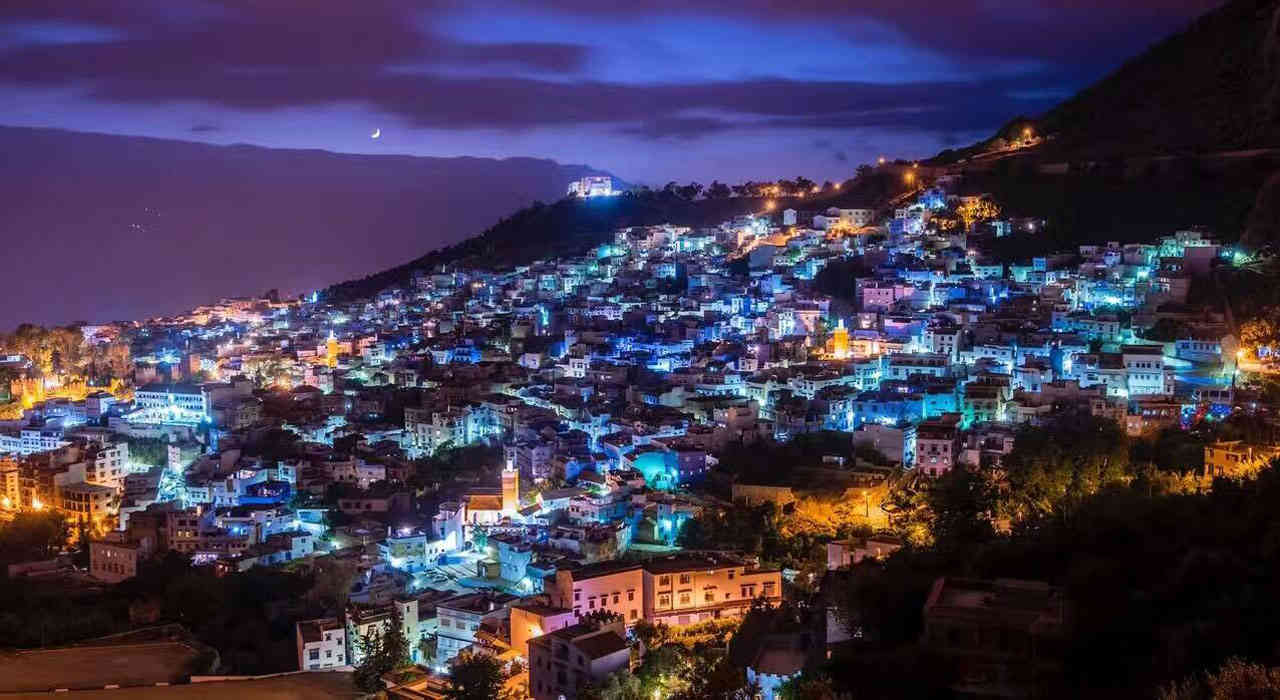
(604, 385)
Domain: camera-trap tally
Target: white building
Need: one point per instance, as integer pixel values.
(170, 403)
(592, 186)
(322, 645)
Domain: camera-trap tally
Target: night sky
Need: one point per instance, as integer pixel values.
(651, 91)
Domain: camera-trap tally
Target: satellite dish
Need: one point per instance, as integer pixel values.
(376, 133)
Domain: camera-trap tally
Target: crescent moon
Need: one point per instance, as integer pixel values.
(376, 133)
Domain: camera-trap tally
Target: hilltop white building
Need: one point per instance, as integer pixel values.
(592, 186)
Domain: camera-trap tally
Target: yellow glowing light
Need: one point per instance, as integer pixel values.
(769, 205)
(816, 189)
(837, 185)
(6, 503)
(880, 160)
(37, 504)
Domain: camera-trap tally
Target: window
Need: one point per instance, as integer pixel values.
(685, 578)
(633, 613)
(314, 655)
(631, 595)
(684, 598)
(664, 581)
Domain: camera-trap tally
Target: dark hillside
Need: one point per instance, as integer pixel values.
(1209, 88)
(572, 226)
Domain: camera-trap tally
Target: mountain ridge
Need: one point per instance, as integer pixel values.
(130, 214)
(1212, 87)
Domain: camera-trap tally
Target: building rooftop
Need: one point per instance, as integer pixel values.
(600, 644)
(604, 568)
(1033, 605)
(313, 630)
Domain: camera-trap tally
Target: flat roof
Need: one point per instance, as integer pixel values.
(604, 568)
(295, 686)
(43, 670)
(600, 644)
(687, 562)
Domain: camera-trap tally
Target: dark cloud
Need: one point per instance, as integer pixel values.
(840, 156)
(254, 55)
(677, 127)
(204, 128)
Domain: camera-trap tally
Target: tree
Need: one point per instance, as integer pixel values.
(1237, 679)
(1052, 468)
(152, 452)
(475, 676)
(962, 503)
(34, 535)
(974, 210)
(395, 647)
(690, 191)
(622, 685)
(718, 190)
(807, 686)
(382, 651)
(1260, 333)
(368, 673)
(650, 634)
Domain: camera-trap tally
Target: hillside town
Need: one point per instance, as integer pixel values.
(683, 436)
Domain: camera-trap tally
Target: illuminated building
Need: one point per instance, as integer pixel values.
(840, 341)
(510, 490)
(179, 403)
(598, 651)
(1237, 458)
(592, 186)
(683, 589)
